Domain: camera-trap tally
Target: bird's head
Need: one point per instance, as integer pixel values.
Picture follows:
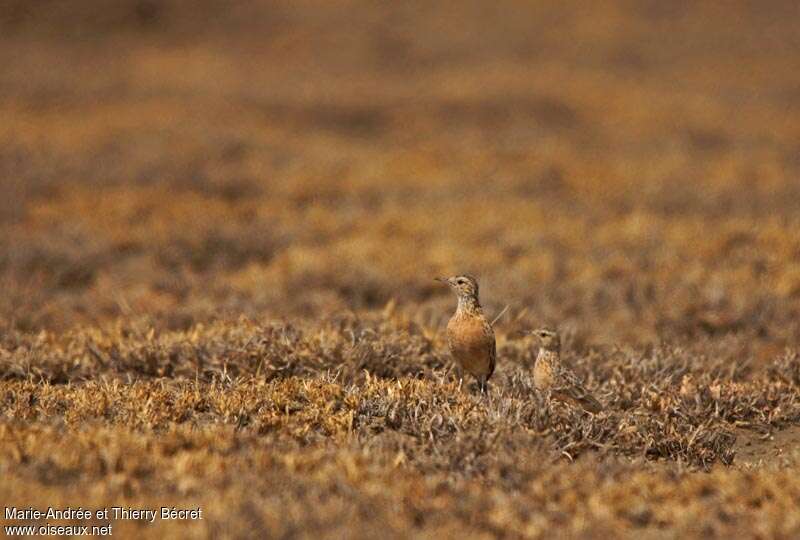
(548, 338)
(465, 286)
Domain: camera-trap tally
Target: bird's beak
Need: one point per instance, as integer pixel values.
(442, 279)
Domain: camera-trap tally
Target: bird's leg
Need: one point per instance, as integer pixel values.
(483, 384)
(460, 382)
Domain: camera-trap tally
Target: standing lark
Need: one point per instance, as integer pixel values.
(469, 335)
(555, 379)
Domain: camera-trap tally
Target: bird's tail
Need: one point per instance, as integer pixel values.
(590, 404)
(579, 397)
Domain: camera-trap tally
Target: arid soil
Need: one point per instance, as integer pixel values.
(220, 224)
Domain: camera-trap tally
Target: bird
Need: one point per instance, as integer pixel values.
(470, 337)
(555, 379)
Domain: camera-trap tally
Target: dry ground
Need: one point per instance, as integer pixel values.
(220, 224)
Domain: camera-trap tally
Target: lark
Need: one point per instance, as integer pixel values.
(469, 335)
(556, 380)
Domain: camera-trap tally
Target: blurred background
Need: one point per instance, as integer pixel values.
(629, 169)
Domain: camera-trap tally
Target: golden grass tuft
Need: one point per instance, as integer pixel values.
(219, 228)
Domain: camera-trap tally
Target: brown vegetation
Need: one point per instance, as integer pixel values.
(219, 229)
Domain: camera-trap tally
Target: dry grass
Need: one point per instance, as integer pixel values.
(220, 224)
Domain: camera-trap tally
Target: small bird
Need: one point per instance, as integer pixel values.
(469, 335)
(555, 379)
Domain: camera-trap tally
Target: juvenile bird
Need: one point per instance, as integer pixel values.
(555, 379)
(469, 335)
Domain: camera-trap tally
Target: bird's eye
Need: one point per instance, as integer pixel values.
(460, 281)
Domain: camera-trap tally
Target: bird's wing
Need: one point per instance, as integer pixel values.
(492, 357)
